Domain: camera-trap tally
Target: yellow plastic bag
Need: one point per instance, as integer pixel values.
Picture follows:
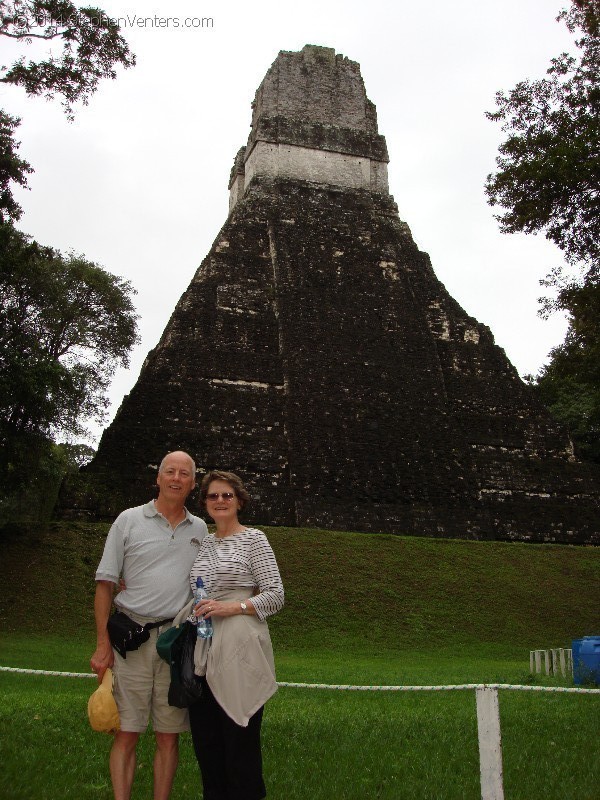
(102, 709)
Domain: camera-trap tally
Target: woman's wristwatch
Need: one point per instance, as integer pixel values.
(244, 608)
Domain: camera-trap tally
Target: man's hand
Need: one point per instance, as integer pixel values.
(102, 659)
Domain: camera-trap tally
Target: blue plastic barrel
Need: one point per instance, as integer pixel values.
(586, 660)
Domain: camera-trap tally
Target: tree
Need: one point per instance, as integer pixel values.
(570, 383)
(89, 48)
(549, 166)
(36, 470)
(65, 325)
(548, 180)
(12, 168)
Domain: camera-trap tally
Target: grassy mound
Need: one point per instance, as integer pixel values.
(355, 592)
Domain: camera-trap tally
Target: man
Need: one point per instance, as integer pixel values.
(151, 549)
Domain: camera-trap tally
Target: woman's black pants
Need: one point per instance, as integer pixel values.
(228, 754)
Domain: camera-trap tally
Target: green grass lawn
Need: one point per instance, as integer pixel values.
(320, 743)
(360, 609)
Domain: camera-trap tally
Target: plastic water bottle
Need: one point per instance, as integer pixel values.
(203, 626)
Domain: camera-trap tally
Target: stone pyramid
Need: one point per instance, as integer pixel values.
(316, 354)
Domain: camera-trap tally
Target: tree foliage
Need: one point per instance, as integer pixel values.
(84, 46)
(548, 180)
(33, 474)
(549, 166)
(13, 169)
(570, 383)
(65, 325)
(91, 46)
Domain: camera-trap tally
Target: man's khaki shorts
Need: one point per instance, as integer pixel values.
(141, 687)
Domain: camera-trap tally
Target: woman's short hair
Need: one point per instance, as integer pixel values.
(231, 478)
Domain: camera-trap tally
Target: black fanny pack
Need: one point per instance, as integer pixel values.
(126, 634)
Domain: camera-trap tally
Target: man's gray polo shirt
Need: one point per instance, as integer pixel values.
(153, 559)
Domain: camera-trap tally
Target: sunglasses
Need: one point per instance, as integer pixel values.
(227, 496)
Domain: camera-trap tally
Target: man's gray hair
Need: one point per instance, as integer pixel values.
(160, 468)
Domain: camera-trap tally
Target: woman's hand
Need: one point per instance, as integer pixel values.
(218, 608)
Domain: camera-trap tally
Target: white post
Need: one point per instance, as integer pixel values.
(490, 744)
(563, 662)
(547, 661)
(538, 660)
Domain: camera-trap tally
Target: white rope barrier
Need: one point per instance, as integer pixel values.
(353, 688)
(49, 672)
(446, 688)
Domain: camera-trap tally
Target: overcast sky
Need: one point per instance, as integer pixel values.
(138, 183)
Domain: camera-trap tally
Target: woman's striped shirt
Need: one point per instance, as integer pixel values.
(241, 560)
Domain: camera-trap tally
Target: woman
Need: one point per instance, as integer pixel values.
(244, 587)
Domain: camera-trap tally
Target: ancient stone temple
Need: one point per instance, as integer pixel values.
(316, 354)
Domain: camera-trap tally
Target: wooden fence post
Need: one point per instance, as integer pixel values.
(563, 662)
(490, 743)
(555, 659)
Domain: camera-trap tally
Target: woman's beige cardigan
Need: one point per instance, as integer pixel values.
(238, 660)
